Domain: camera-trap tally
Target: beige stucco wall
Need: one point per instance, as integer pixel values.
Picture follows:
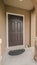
(27, 20)
(27, 24)
(2, 26)
(3, 23)
(27, 29)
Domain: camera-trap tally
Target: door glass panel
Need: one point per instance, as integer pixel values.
(19, 29)
(13, 25)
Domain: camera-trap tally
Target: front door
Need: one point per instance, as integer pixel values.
(15, 30)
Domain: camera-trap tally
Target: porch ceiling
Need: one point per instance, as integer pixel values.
(25, 4)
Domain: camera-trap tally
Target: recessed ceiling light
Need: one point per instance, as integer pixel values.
(21, 0)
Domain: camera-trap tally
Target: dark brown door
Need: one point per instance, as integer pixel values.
(15, 30)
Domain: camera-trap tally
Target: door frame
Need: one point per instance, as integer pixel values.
(7, 28)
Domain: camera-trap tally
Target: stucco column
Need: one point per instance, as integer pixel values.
(33, 27)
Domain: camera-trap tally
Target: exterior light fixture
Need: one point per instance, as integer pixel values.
(0, 41)
(20, 0)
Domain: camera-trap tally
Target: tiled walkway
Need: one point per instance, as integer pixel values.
(27, 58)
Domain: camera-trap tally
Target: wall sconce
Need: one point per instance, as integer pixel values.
(0, 48)
(0, 41)
(20, 0)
